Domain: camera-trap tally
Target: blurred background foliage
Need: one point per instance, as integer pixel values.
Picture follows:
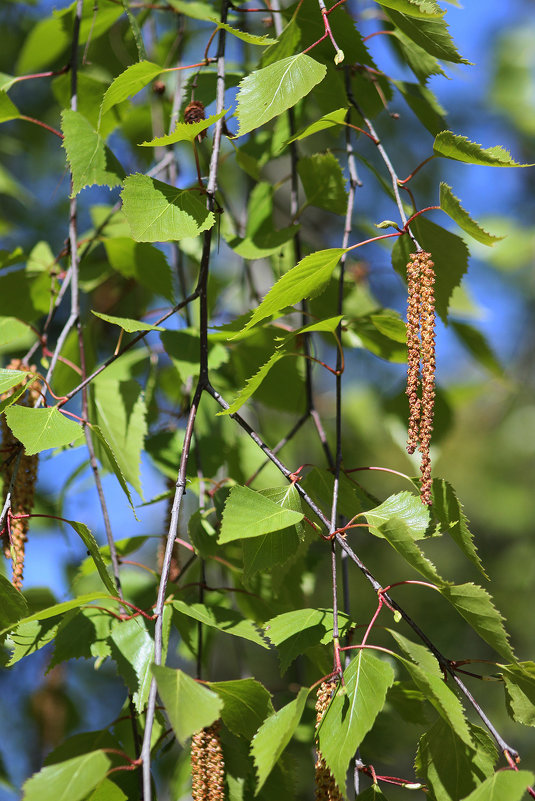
(485, 443)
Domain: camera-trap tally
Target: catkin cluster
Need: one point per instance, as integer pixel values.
(207, 765)
(421, 362)
(326, 787)
(14, 539)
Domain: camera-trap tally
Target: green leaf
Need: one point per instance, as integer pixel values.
(193, 9)
(323, 182)
(450, 256)
(58, 609)
(30, 637)
(184, 131)
(83, 634)
(306, 280)
(127, 324)
(143, 262)
(421, 62)
(190, 706)
(274, 735)
(478, 346)
(449, 766)
(129, 83)
(448, 510)
(226, 620)
(253, 383)
(430, 34)
(245, 36)
(268, 92)
(404, 506)
(353, 710)
(91, 544)
(67, 781)
(519, 680)
(475, 605)
(111, 462)
(8, 110)
(107, 791)
(421, 100)
(507, 785)
(41, 429)
(459, 148)
(10, 378)
(90, 160)
(118, 409)
(133, 651)
(424, 671)
(293, 632)
(249, 514)
(452, 206)
(157, 212)
(13, 605)
(329, 120)
(246, 704)
(423, 9)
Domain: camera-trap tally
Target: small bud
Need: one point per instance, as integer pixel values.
(339, 57)
(386, 224)
(397, 617)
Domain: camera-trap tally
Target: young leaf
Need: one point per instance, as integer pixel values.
(92, 546)
(158, 212)
(448, 510)
(249, 514)
(127, 324)
(329, 120)
(30, 637)
(353, 710)
(452, 206)
(13, 605)
(506, 785)
(404, 506)
(226, 620)
(245, 36)
(133, 650)
(519, 680)
(246, 704)
(184, 131)
(129, 83)
(475, 605)
(459, 148)
(189, 705)
(41, 429)
(450, 766)
(306, 280)
(269, 92)
(58, 609)
(274, 735)
(90, 160)
(67, 781)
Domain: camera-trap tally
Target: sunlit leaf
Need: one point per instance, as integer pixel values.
(67, 781)
(184, 131)
(189, 705)
(41, 429)
(249, 514)
(268, 92)
(460, 148)
(246, 704)
(129, 83)
(90, 160)
(229, 621)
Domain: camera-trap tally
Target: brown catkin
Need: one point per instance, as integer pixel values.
(194, 112)
(326, 787)
(207, 765)
(22, 495)
(421, 363)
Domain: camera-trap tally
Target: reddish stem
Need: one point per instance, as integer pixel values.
(374, 239)
(372, 621)
(378, 33)
(41, 124)
(419, 167)
(417, 214)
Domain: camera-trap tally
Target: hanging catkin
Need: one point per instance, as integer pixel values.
(421, 361)
(326, 787)
(207, 765)
(14, 541)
